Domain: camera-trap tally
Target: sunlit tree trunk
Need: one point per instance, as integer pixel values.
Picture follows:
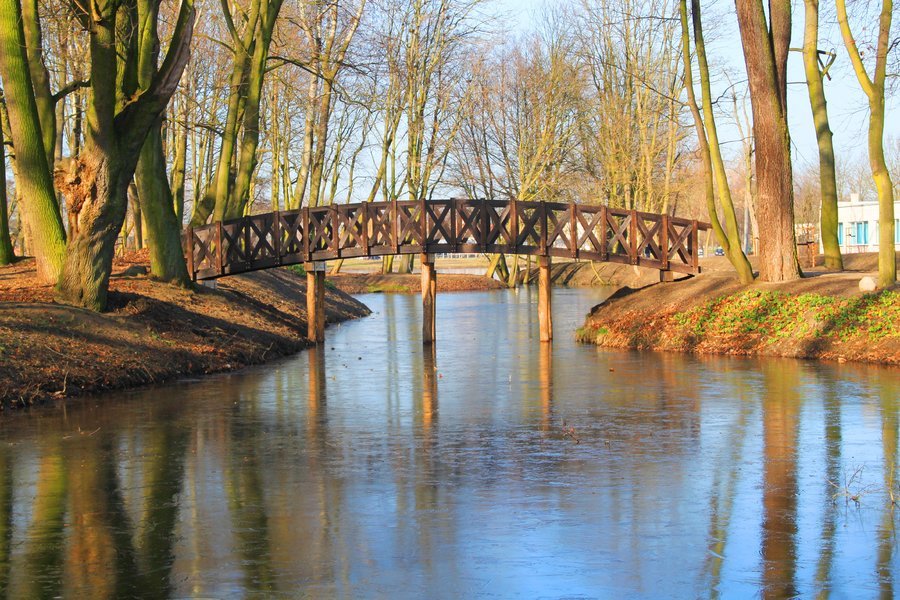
(766, 43)
(874, 90)
(248, 157)
(98, 184)
(179, 168)
(215, 200)
(732, 240)
(34, 185)
(827, 179)
(703, 142)
(157, 205)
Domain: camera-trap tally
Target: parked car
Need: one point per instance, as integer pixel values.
(720, 251)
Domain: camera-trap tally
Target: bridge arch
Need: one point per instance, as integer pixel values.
(545, 229)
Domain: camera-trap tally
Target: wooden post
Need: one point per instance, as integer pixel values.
(192, 271)
(632, 238)
(220, 263)
(573, 229)
(544, 317)
(695, 246)
(276, 236)
(315, 301)
(514, 226)
(664, 242)
(429, 295)
(604, 232)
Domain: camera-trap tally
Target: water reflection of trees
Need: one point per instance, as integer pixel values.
(291, 490)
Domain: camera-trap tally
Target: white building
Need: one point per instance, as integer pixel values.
(858, 225)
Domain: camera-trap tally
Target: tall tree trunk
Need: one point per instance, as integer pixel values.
(157, 206)
(705, 158)
(247, 157)
(97, 187)
(874, 90)
(6, 249)
(158, 210)
(766, 44)
(33, 181)
(827, 178)
(309, 120)
(40, 78)
(218, 188)
(178, 172)
(732, 243)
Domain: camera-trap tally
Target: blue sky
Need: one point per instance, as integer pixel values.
(846, 103)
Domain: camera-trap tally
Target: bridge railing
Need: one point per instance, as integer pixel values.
(339, 231)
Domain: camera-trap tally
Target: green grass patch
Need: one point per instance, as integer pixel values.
(777, 315)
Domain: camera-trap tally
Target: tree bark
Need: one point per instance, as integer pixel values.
(874, 90)
(33, 183)
(40, 78)
(97, 187)
(7, 255)
(157, 205)
(732, 241)
(827, 177)
(178, 173)
(247, 157)
(766, 44)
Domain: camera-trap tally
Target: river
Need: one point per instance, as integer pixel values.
(495, 467)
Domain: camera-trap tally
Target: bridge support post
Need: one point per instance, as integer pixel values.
(429, 295)
(315, 301)
(545, 319)
(666, 276)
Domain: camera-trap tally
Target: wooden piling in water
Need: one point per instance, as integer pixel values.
(429, 295)
(315, 301)
(545, 319)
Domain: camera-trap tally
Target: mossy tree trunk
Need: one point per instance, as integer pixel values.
(729, 236)
(215, 200)
(228, 194)
(33, 182)
(157, 204)
(40, 78)
(765, 39)
(827, 178)
(874, 90)
(97, 186)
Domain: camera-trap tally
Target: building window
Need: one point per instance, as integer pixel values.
(897, 231)
(859, 233)
(840, 234)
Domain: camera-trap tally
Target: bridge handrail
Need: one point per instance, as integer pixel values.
(571, 230)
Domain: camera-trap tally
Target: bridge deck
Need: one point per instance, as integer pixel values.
(412, 227)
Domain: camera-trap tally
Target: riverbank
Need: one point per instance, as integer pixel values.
(823, 316)
(152, 333)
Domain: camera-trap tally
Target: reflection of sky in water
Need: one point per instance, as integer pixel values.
(495, 468)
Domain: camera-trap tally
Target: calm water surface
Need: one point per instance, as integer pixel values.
(496, 468)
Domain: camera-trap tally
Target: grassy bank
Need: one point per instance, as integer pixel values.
(152, 332)
(823, 317)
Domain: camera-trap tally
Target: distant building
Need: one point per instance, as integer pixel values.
(858, 225)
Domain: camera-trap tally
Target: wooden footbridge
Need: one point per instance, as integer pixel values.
(311, 236)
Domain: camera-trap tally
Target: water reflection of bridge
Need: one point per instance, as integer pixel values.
(310, 236)
(261, 489)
